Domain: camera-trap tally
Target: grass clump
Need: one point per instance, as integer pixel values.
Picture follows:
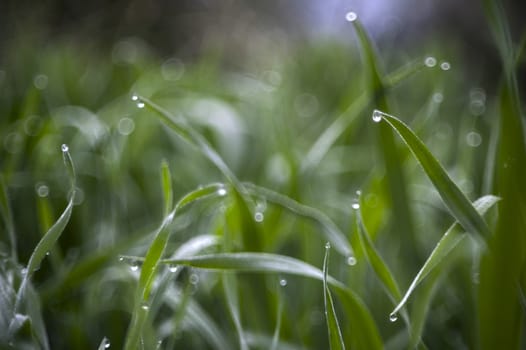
(260, 178)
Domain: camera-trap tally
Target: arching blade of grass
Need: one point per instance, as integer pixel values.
(151, 263)
(333, 326)
(188, 134)
(332, 232)
(457, 203)
(447, 243)
(389, 151)
(52, 235)
(230, 287)
(7, 215)
(166, 180)
(364, 328)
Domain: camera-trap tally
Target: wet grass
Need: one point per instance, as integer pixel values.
(286, 207)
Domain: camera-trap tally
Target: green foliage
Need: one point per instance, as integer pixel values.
(259, 169)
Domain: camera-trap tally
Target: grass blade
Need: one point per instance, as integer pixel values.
(230, 288)
(366, 333)
(7, 215)
(166, 180)
(447, 243)
(332, 232)
(151, 263)
(333, 327)
(458, 204)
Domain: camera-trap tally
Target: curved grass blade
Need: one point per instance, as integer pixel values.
(458, 204)
(332, 232)
(50, 238)
(333, 326)
(7, 215)
(453, 236)
(166, 180)
(230, 288)
(188, 134)
(151, 263)
(377, 263)
(364, 328)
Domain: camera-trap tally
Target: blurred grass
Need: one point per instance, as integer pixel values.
(302, 163)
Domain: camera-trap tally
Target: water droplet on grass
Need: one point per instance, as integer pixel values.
(473, 139)
(221, 192)
(283, 282)
(445, 65)
(259, 217)
(145, 307)
(64, 148)
(134, 97)
(126, 126)
(355, 205)
(438, 97)
(140, 104)
(393, 317)
(377, 116)
(430, 61)
(351, 261)
(351, 16)
(328, 245)
(42, 190)
(40, 81)
(194, 278)
(134, 265)
(173, 268)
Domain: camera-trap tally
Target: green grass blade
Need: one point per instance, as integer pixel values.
(166, 181)
(501, 320)
(7, 215)
(333, 326)
(151, 263)
(458, 204)
(447, 243)
(366, 335)
(377, 263)
(332, 232)
(50, 238)
(187, 133)
(230, 288)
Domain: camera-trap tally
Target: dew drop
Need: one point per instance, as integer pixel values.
(24, 271)
(145, 307)
(358, 192)
(64, 148)
(355, 206)
(377, 116)
(438, 97)
(134, 97)
(283, 282)
(445, 65)
(259, 217)
(42, 190)
(172, 268)
(134, 266)
(40, 81)
(121, 259)
(140, 104)
(47, 253)
(221, 192)
(126, 126)
(351, 261)
(473, 139)
(194, 278)
(107, 343)
(351, 16)
(430, 61)
(328, 245)
(393, 317)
